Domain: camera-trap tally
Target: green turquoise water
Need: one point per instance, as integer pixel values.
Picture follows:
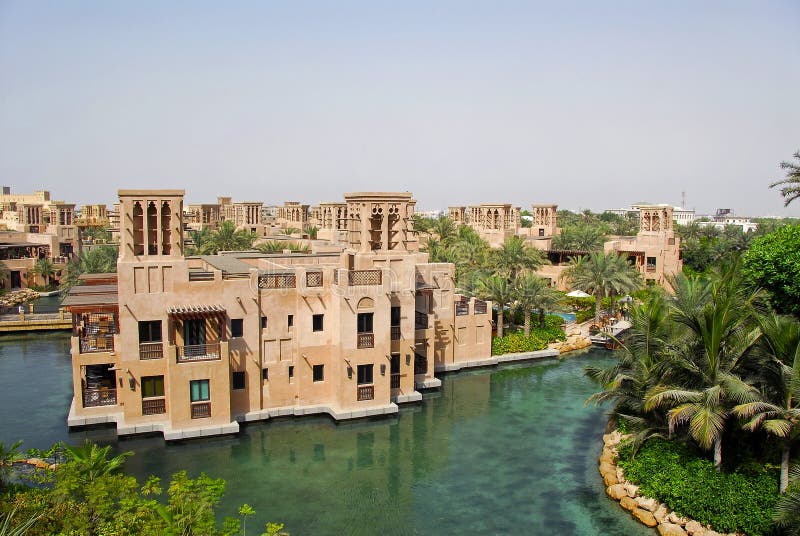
(495, 451)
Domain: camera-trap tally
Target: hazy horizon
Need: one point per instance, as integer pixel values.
(582, 104)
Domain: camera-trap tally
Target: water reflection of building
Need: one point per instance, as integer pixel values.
(190, 346)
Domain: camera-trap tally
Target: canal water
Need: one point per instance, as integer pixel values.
(495, 451)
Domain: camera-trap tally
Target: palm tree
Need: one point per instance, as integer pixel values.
(534, 292)
(228, 238)
(312, 231)
(499, 291)
(787, 509)
(791, 184)
(778, 409)
(580, 237)
(92, 461)
(444, 228)
(639, 369)
(514, 258)
(705, 370)
(4, 274)
(45, 268)
(599, 273)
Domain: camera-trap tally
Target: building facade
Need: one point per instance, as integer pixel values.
(191, 346)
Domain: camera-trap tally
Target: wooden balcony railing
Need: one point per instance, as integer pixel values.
(395, 333)
(97, 343)
(154, 406)
(366, 340)
(201, 410)
(197, 352)
(151, 350)
(275, 281)
(366, 392)
(99, 396)
(480, 307)
(313, 279)
(364, 277)
(395, 380)
(651, 268)
(462, 308)
(420, 320)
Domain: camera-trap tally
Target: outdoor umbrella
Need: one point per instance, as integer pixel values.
(578, 294)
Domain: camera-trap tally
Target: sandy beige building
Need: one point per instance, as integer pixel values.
(191, 346)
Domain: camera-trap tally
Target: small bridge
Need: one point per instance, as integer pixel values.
(11, 323)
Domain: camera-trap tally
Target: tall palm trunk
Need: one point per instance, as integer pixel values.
(541, 317)
(500, 321)
(718, 453)
(785, 466)
(597, 307)
(527, 322)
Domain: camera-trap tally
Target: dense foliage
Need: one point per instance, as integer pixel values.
(538, 339)
(97, 260)
(88, 494)
(225, 238)
(671, 472)
(773, 263)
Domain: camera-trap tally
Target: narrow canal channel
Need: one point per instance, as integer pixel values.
(495, 451)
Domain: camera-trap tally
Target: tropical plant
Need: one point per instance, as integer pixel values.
(580, 237)
(777, 409)
(98, 260)
(7, 529)
(500, 291)
(5, 273)
(514, 257)
(599, 273)
(705, 371)
(45, 268)
(8, 456)
(312, 232)
(787, 509)
(791, 184)
(92, 461)
(444, 229)
(772, 262)
(534, 292)
(227, 238)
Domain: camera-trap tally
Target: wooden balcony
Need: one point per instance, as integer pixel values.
(420, 320)
(395, 333)
(197, 352)
(313, 279)
(277, 281)
(366, 340)
(154, 406)
(201, 410)
(366, 392)
(480, 307)
(97, 343)
(99, 396)
(364, 277)
(151, 350)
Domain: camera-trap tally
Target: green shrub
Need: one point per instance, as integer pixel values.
(672, 473)
(516, 341)
(584, 315)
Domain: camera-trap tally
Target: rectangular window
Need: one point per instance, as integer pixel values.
(364, 322)
(264, 374)
(150, 331)
(291, 371)
(364, 374)
(319, 373)
(237, 327)
(152, 386)
(317, 322)
(395, 316)
(290, 321)
(199, 390)
(651, 262)
(263, 322)
(541, 232)
(237, 381)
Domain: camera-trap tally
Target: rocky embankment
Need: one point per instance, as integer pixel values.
(16, 297)
(646, 510)
(576, 340)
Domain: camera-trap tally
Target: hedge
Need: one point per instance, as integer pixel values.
(516, 341)
(670, 472)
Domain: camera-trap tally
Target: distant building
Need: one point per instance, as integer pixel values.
(724, 217)
(680, 215)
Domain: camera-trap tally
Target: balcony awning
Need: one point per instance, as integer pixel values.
(195, 311)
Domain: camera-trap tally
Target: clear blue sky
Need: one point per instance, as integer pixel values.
(585, 104)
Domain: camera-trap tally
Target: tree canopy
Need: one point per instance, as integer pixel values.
(773, 263)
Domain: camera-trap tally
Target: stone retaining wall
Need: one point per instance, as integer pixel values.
(646, 510)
